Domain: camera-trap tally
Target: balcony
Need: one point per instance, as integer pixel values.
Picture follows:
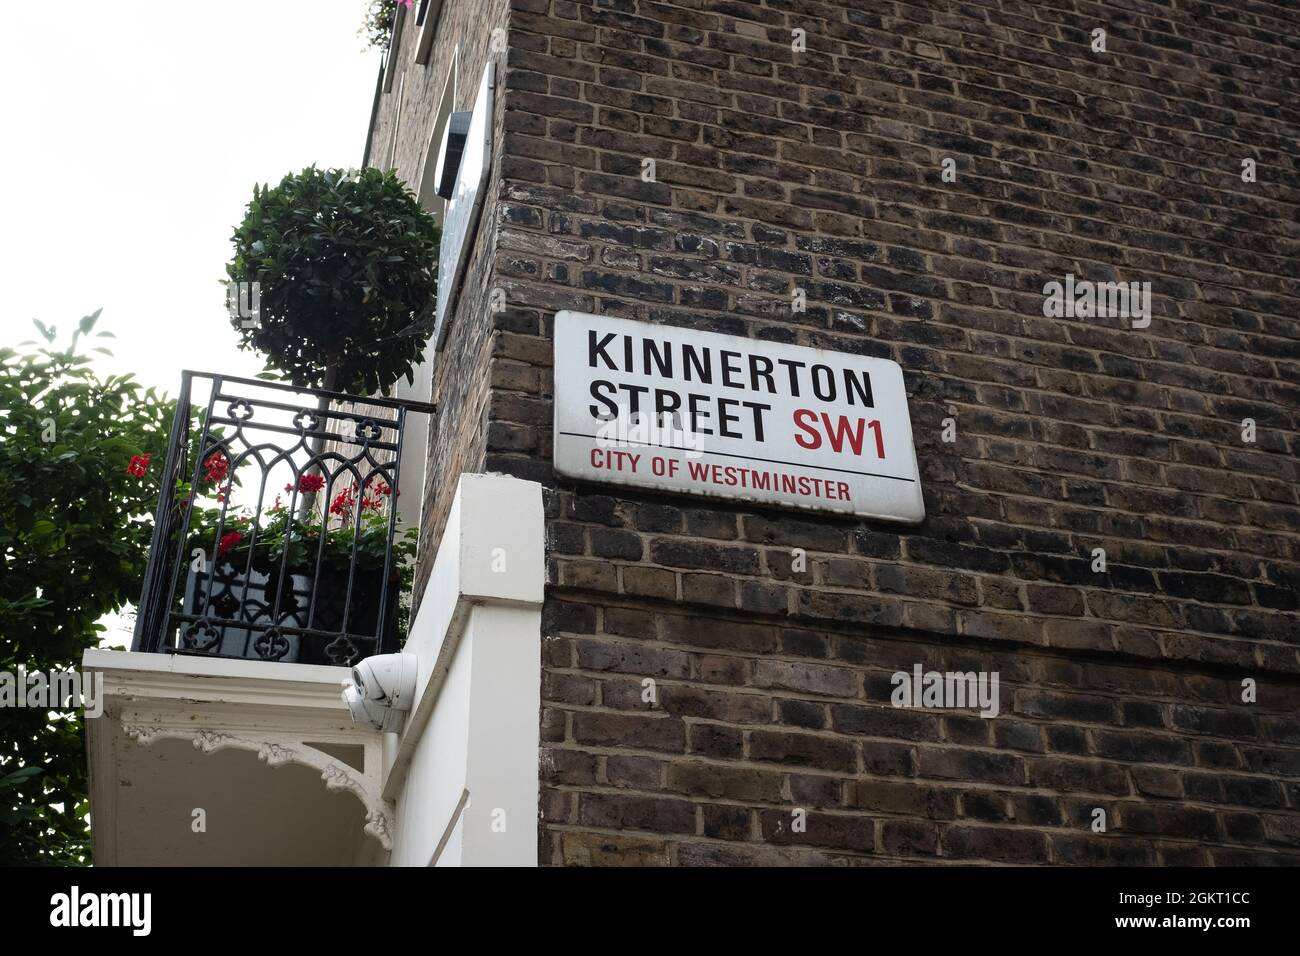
(277, 559)
(276, 532)
(224, 739)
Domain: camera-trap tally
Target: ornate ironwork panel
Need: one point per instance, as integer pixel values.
(275, 536)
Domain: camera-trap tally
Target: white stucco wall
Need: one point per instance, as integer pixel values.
(463, 773)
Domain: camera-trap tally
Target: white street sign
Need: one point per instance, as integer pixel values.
(678, 410)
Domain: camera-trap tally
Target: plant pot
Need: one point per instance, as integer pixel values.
(240, 616)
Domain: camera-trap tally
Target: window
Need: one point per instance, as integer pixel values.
(394, 48)
(428, 188)
(397, 124)
(427, 20)
(415, 442)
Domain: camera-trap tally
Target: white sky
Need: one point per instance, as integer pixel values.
(133, 133)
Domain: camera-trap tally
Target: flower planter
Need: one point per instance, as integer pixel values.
(239, 622)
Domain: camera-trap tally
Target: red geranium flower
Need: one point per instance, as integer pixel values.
(311, 483)
(218, 467)
(228, 542)
(139, 465)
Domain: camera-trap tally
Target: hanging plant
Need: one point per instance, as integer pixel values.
(377, 28)
(345, 262)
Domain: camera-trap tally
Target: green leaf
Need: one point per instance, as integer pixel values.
(76, 526)
(18, 776)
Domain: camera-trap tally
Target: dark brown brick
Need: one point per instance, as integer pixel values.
(806, 750)
(1000, 844)
(837, 831)
(625, 811)
(1119, 688)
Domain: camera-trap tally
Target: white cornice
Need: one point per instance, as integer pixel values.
(129, 674)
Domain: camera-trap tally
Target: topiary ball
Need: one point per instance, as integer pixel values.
(346, 260)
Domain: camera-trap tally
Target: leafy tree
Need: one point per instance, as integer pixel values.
(74, 536)
(346, 261)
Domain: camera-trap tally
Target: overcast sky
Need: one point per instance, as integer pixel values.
(134, 133)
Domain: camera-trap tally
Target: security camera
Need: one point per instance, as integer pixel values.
(382, 690)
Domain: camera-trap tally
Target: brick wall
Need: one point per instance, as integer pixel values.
(757, 716)
(457, 436)
(821, 169)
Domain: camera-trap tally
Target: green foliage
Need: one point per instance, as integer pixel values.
(377, 27)
(280, 529)
(74, 537)
(290, 532)
(347, 261)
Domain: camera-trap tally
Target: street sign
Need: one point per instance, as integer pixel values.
(678, 410)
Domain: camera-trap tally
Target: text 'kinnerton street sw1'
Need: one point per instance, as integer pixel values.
(680, 410)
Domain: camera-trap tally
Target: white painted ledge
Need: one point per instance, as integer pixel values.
(463, 773)
(221, 680)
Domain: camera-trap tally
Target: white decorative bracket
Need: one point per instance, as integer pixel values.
(278, 752)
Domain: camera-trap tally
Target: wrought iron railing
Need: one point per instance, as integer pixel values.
(316, 577)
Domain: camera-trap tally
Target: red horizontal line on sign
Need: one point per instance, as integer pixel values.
(767, 461)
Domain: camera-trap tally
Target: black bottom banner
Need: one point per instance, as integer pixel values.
(180, 906)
